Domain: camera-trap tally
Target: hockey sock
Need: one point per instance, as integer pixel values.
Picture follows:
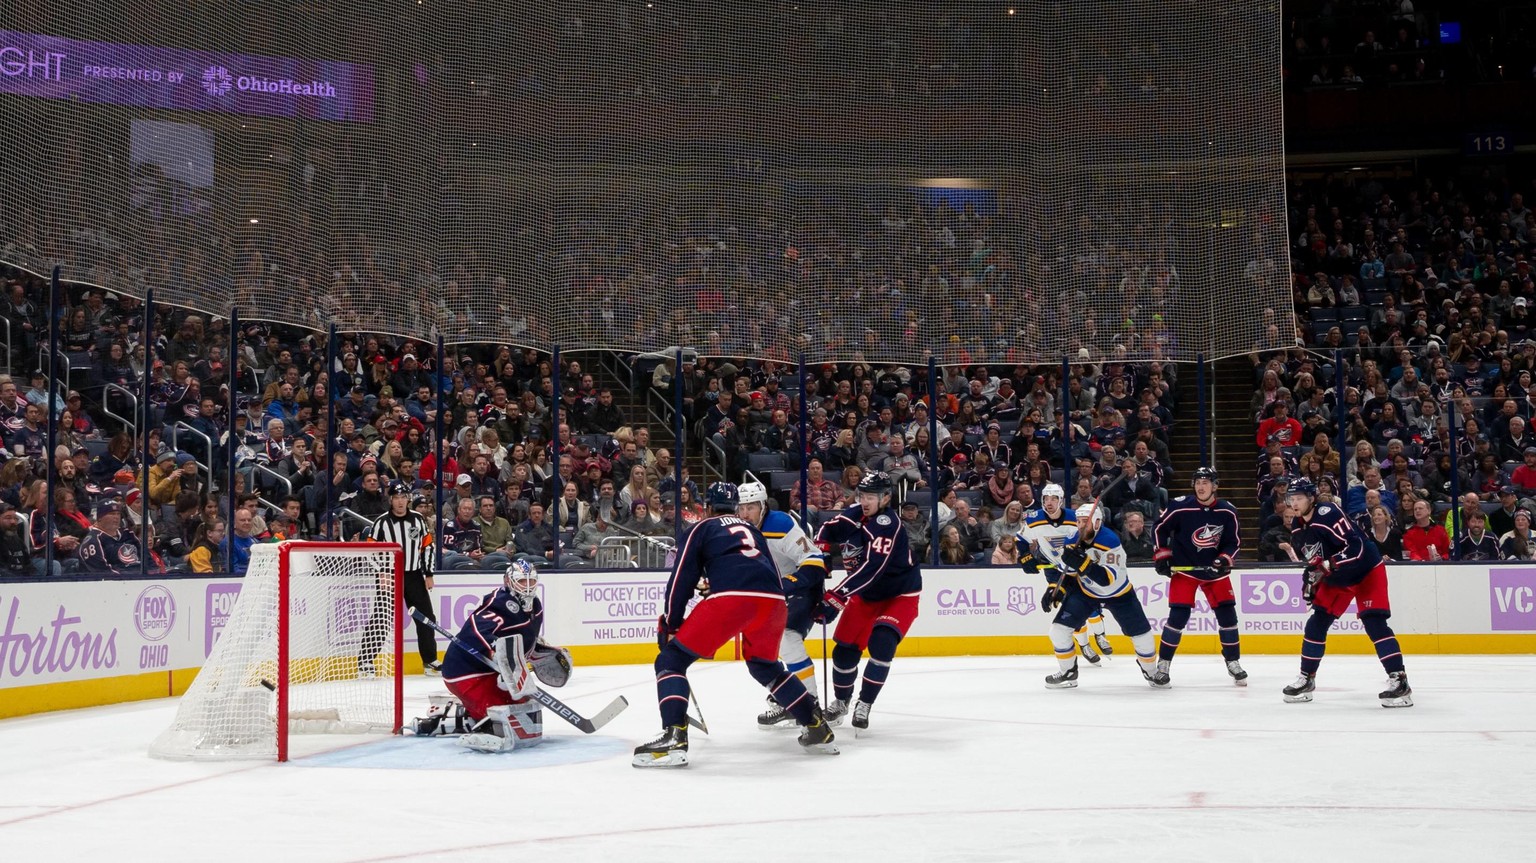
(784, 688)
(1061, 642)
(845, 669)
(1314, 640)
(1173, 631)
(882, 649)
(792, 652)
(1146, 649)
(1080, 635)
(1226, 619)
(1096, 624)
(1381, 635)
(672, 683)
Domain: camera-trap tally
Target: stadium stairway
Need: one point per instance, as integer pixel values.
(1235, 452)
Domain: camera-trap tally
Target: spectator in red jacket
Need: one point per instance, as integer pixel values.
(1425, 539)
(1281, 425)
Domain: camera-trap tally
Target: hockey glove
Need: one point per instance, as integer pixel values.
(1317, 569)
(1222, 567)
(824, 613)
(1039, 562)
(664, 633)
(1075, 557)
(702, 588)
(1164, 565)
(1052, 598)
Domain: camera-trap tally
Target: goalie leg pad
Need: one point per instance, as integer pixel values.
(507, 727)
(551, 664)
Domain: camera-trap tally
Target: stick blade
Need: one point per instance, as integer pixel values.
(607, 714)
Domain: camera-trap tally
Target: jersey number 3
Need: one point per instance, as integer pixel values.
(748, 542)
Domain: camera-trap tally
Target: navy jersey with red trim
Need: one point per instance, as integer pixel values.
(732, 554)
(876, 554)
(498, 615)
(1332, 536)
(1195, 535)
(103, 552)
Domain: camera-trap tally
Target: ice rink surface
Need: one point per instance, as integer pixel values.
(966, 759)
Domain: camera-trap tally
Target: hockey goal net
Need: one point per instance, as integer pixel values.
(313, 644)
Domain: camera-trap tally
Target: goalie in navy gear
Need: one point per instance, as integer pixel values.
(1342, 565)
(505, 628)
(744, 597)
(1045, 532)
(1091, 574)
(803, 571)
(1197, 540)
(878, 600)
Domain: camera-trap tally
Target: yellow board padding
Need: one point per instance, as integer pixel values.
(26, 700)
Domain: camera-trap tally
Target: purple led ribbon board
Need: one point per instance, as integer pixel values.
(180, 79)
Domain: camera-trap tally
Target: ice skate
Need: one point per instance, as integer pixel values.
(1160, 678)
(1089, 653)
(1300, 691)
(432, 669)
(1105, 648)
(860, 717)
(668, 750)
(1397, 694)
(1062, 679)
(1239, 676)
(817, 737)
(835, 712)
(775, 717)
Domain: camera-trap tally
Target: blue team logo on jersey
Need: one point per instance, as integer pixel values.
(128, 554)
(1208, 536)
(1021, 600)
(1311, 551)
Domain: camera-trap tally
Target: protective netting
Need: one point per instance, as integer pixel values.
(863, 179)
(342, 658)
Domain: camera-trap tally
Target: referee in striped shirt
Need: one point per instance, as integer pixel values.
(408, 529)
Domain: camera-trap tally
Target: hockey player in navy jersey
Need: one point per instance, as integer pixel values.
(744, 598)
(803, 571)
(1342, 564)
(505, 628)
(1197, 538)
(1049, 525)
(878, 599)
(1091, 574)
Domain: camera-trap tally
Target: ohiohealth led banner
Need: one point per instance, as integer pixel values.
(180, 79)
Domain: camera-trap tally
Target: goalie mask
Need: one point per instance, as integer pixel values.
(522, 581)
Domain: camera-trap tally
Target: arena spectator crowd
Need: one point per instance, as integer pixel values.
(1423, 289)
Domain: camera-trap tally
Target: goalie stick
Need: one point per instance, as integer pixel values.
(587, 726)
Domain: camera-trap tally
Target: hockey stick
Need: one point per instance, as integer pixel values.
(824, 675)
(587, 726)
(696, 723)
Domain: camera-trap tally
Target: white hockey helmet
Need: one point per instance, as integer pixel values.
(751, 492)
(522, 579)
(1094, 514)
(1052, 490)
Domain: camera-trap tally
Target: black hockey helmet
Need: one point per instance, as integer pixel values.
(1205, 472)
(398, 487)
(876, 482)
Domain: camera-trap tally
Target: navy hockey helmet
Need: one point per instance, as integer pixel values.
(722, 496)
(1301, 485)
(397, 486)
(1205, 472)
(875, 482)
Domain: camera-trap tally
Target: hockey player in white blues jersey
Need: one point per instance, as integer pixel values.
(1049, 525)
(1092, 574)
(803, 572)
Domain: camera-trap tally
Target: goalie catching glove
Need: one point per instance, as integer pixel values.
(552, 664)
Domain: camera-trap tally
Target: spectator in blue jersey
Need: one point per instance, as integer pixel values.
(237, 545)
